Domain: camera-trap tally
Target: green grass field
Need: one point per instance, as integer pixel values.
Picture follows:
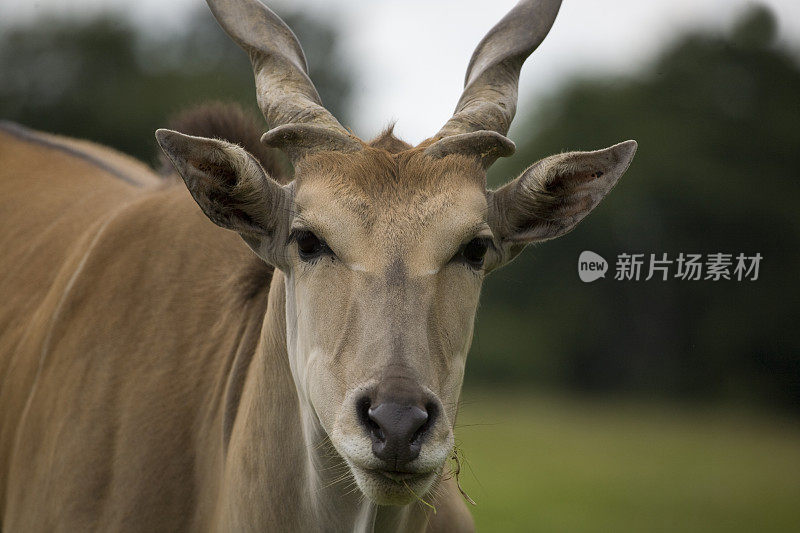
(555, 464)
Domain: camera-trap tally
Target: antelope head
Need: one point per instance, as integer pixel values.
(384, 246)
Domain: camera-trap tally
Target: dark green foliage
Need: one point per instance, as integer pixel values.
(105, 80)
(718, 124)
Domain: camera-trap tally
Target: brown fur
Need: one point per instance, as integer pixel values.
(387, 141)
(129, 361)
(146, 379)
(227, 121)
(119, 165)
(377, 173)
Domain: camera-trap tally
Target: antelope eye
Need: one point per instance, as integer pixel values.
(475, 251)
(309, 246)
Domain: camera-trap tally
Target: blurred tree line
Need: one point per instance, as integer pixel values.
(716, 117)
(106, 80)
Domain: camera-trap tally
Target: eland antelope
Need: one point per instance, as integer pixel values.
(300, 372)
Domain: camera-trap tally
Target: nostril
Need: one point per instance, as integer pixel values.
(431, 412)
(363, 409)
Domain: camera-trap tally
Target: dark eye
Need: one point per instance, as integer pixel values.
(309, 246)
(475, 251)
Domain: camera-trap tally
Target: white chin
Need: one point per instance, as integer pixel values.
(391, 489)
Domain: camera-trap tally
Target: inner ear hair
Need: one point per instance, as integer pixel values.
(227, 183)
(220, 169)
(553, 195)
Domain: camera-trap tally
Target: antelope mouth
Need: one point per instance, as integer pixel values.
(400, 476)
(393, 487)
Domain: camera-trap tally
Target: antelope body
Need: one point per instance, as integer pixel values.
(298, 372)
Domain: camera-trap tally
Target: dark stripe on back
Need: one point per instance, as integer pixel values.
(32, 136)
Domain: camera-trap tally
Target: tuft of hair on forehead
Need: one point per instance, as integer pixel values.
(386, 140)
(378, 174)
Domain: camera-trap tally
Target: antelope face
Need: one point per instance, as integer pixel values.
(388, 253)
(385, 246)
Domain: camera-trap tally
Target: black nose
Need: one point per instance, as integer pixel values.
(396, 430)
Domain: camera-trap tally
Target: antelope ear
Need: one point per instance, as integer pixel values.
(553, 195)
(232, 189)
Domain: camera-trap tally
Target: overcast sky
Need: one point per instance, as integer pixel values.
(410, 55)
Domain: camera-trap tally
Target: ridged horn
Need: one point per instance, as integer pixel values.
(489, 100)
(284, 91)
